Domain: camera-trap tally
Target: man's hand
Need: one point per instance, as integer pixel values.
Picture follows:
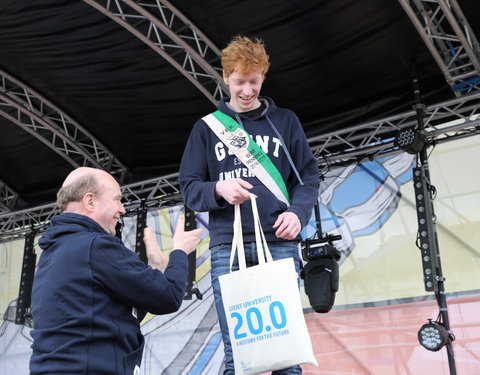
(233, 191)
(288, 226)
(186, 241)
(155, 255)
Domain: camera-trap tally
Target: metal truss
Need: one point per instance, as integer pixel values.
(24, 107)
(169, 33)
(152, 194)
(145, 195)
(443, 122)
(8, 198)
(17, 224)
(450, 39)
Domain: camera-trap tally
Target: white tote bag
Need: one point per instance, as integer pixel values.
(263, 308)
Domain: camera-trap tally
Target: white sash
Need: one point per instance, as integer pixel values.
(248, 152)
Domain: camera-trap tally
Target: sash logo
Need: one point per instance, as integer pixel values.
(238, 139)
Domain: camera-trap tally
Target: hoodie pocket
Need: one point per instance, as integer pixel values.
(133, 360)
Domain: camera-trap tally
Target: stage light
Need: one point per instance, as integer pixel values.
(320, 274)
(434, 336)
(410, 140)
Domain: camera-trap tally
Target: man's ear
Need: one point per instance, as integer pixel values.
(225, 78)
(89, 201)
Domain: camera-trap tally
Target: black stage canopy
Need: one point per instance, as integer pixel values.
(336, 63)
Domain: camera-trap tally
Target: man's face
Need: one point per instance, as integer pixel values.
(244, 90)
(108, 206)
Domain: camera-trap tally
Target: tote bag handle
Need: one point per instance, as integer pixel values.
(263, 252)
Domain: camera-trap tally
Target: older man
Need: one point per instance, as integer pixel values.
(90, 292)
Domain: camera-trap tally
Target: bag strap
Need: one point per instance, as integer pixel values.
(241, 144)
(263, 252)
(237, 241)
(262, 246)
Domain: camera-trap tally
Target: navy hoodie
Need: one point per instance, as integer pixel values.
(207, 160)
(86, 292)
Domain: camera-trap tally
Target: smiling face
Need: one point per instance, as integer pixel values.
(244, 90)
(107, 207)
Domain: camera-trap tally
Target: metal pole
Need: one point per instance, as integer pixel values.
(439, 287)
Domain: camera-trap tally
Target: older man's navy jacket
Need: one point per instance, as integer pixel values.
(87, 295)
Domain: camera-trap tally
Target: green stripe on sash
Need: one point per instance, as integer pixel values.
(255, 150)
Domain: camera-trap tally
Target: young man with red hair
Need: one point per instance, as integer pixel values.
(213, 179)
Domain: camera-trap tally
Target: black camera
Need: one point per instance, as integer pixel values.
(321, 273)
(322, 248)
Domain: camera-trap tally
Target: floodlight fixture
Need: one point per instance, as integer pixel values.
(434, 336)
(410, 140)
